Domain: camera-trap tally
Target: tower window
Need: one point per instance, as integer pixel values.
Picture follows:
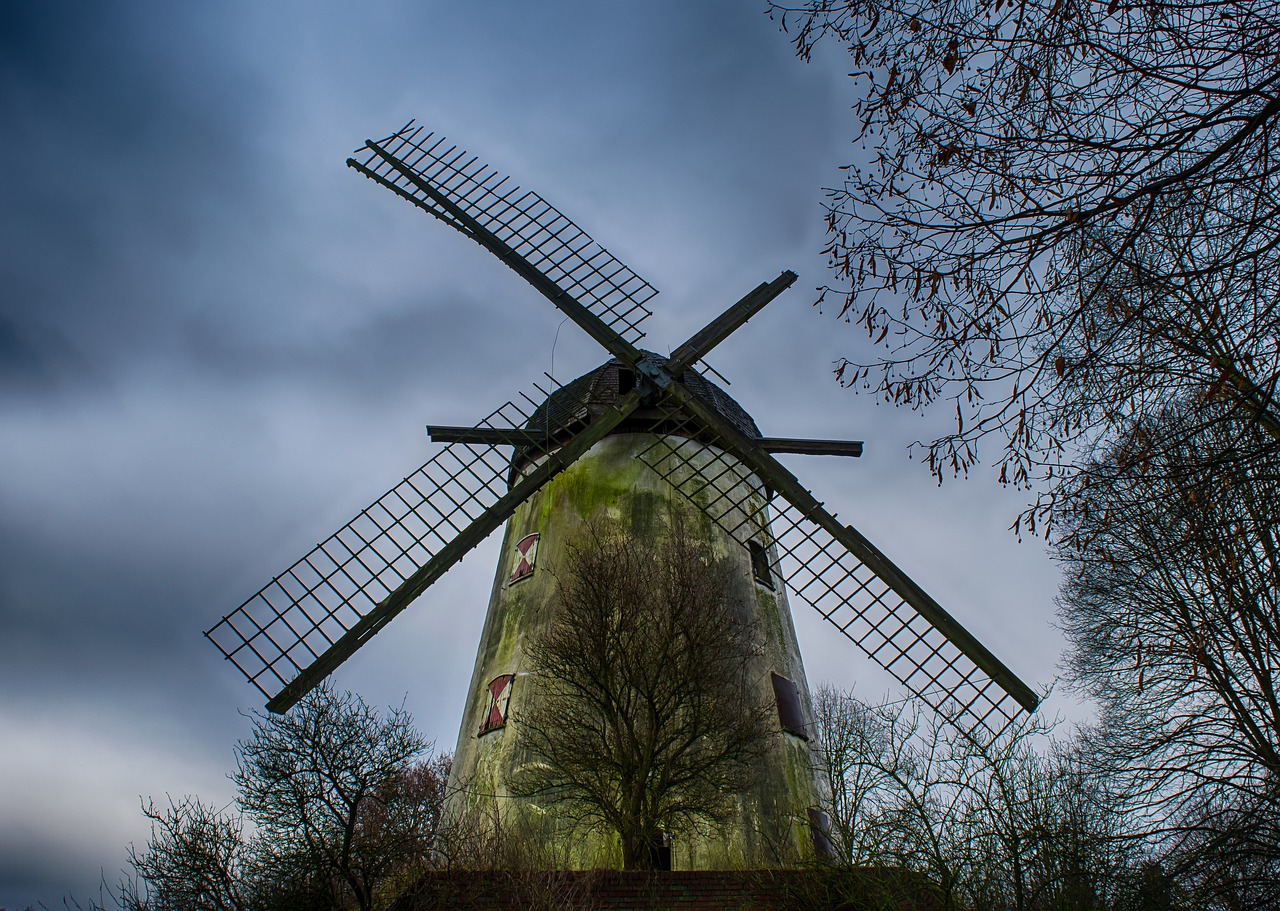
(524, 558)
(660, 853)
(790, 714)
(499, 698)
(820, 830)
(760, 564)
(626, 380)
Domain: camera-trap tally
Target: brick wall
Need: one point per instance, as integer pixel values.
(759, 890)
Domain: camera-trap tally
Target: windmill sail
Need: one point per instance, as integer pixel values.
(304, 623)
(465, 194)
(880, 610)
(877, 617)
(309, 619)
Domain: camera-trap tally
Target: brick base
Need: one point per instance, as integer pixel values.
(607, 890)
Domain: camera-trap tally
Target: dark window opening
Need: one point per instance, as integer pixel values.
(789, 712)
(626, 380)
(820, 829)
(760, 564)
(660, 853)
(495, 715)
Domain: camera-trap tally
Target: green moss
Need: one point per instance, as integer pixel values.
(771, 615)
(612, 480)
(512, 628)
(599, 483)
(648, 514)
(798, 765)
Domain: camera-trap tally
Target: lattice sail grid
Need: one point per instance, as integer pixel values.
(536, 230)
(294, 619)
(822, 572)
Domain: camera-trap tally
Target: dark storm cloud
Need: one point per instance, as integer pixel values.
(123, 138)
(155, 155)
(35, 358)
(217, 343)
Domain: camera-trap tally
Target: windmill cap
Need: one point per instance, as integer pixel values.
(573, 405)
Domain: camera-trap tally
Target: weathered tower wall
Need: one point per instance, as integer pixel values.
(772, 823)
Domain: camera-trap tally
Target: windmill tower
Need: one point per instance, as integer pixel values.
(650, 439)
(649, 473)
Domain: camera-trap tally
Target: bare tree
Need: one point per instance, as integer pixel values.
(196, 859)
(1171, 607)
(1012, 822)
(398, 824)
(646, 720)
(341, 812)
(331, 789)
(1066, 212)
(895, 799)
(860, 753)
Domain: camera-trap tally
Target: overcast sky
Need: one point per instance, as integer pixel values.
(217, 344)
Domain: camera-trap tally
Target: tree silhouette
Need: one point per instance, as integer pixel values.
(1065, 214)
(645, 720)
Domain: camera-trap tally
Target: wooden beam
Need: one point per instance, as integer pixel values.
(595, 327)
(514, 436)
(812, 447)
(491, 436)
(723, 325)
(450, 554)
(785, 483)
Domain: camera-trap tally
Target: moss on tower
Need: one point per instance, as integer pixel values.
(768, 826)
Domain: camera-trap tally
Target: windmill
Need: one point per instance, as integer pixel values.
(639, 426)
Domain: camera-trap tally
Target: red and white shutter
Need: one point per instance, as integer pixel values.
(499, 699)
(526, 555)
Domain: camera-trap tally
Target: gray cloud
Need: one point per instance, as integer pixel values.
(217, 343)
